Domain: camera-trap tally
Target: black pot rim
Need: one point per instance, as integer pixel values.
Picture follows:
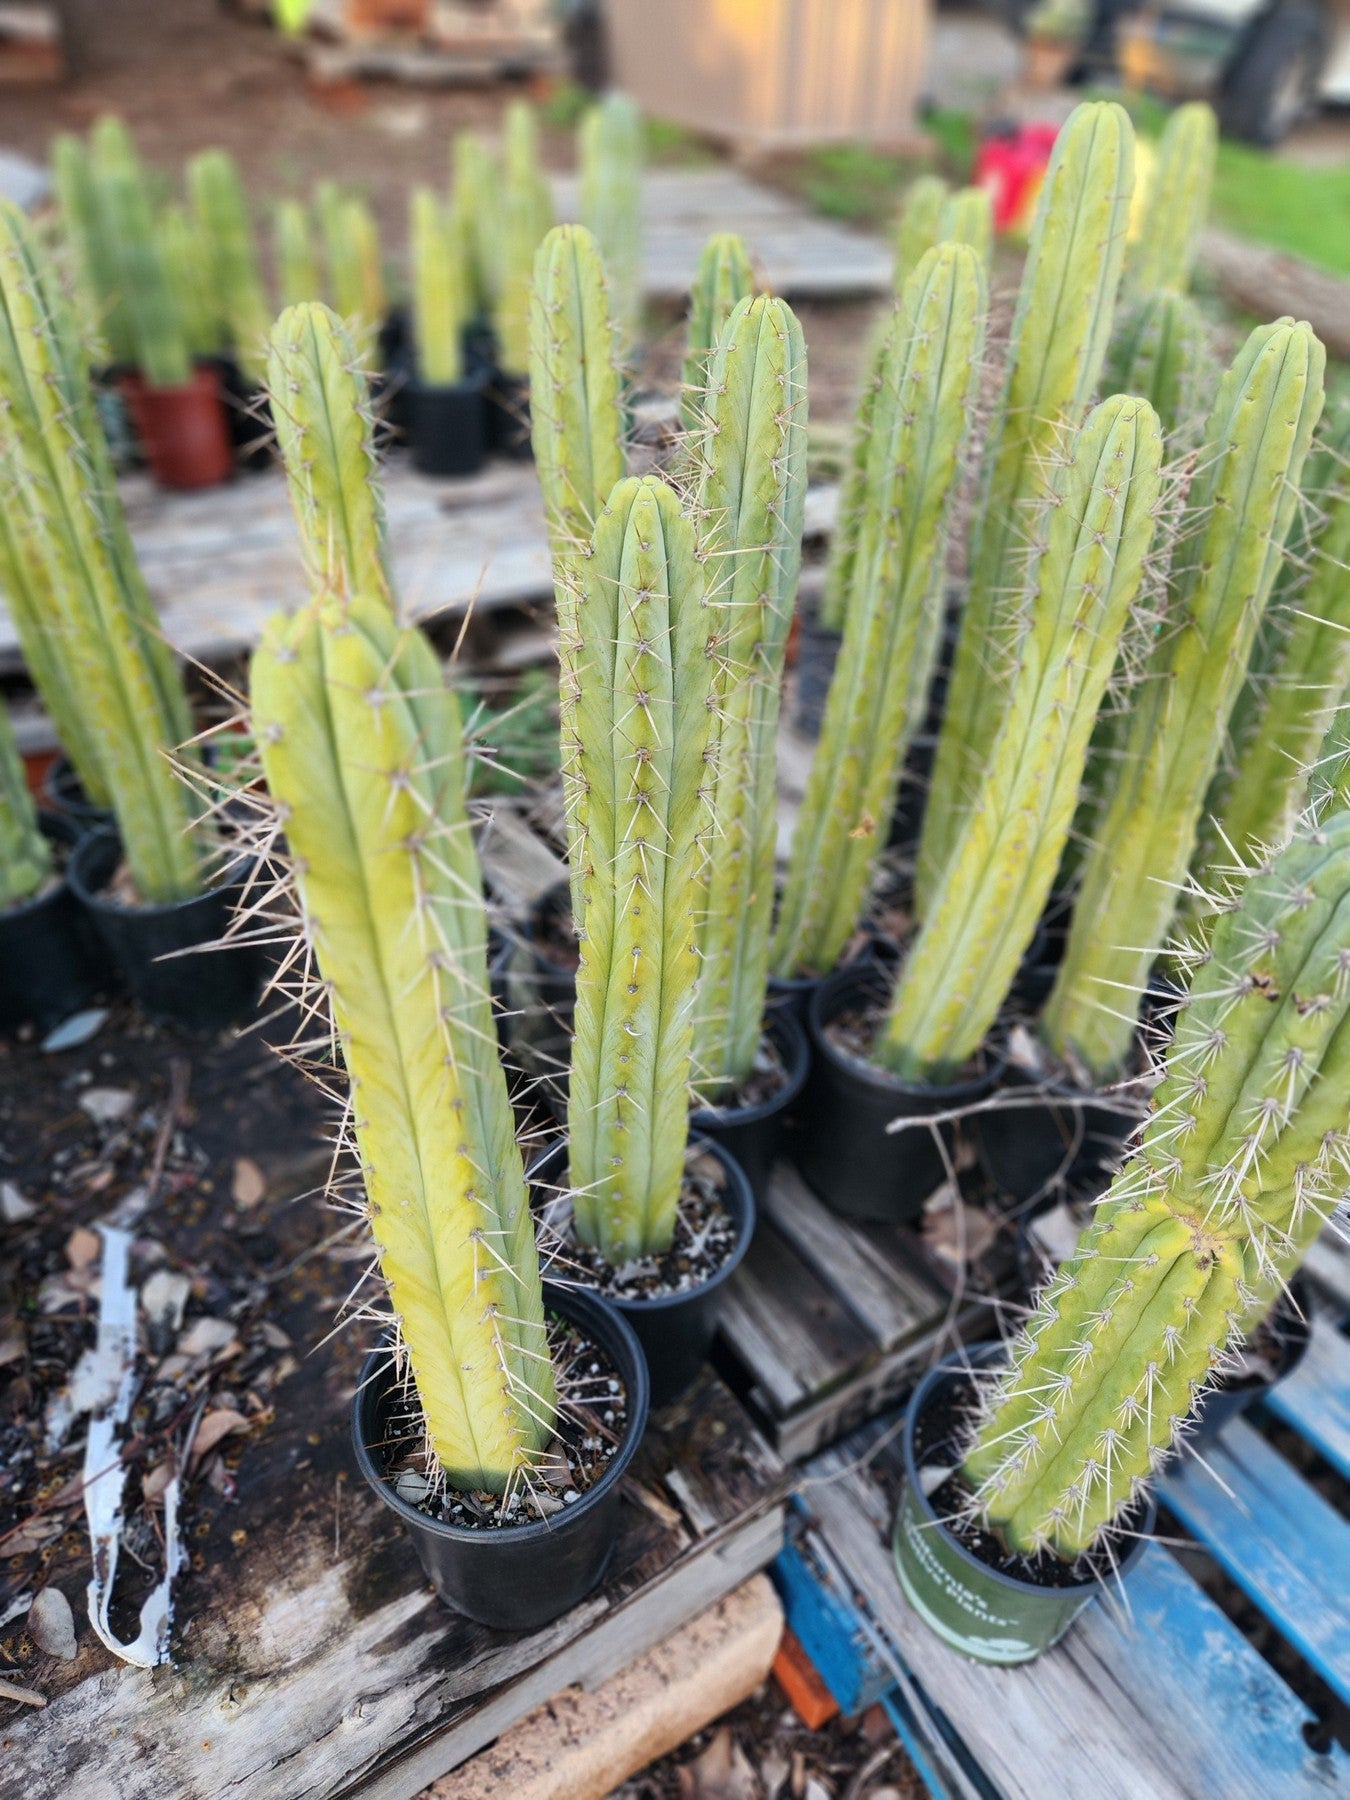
(787, 1033)
(935, 1095)
(737, 1183)
(958, 1365)
(557, 1299)
(93, 897)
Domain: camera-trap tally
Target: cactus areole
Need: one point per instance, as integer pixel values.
(1242, 1162)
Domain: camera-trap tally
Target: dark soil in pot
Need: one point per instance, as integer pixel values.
(51, 959)
(63, 794)
(183, 430)
(984, 1600)
(204, 992)
(752, 1125)
(842, 1147)
(671, 1300)
(516, 1561)
(447, 427)
(508, 416)
(1272, 1352)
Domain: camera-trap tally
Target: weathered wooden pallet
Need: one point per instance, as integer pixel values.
(1154, 1691)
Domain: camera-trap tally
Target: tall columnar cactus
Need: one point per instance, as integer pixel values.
(25, 855)
(187, 266)
(611, 154)
(724, 277)
(641, 726)
(1060, 332)
(1238, 512)
(843, 549)
(85, 230)
(1241, 1163)
(967, 217)
(362, 750)
(751, 502)
(351, 242)
(998, 878)
(917, 231)
(1178, 204)
(98, 639)
(925, 386)
(1161, 352)
(476, 184)
(321, 409)
(525, 220)
(439, 291)
(298, 278)
(1328, 789)
(160, 345)
(227, 232)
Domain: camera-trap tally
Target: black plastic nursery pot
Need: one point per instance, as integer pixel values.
(1288, 1332)
(817, 653)
(519, 1577)
(975, 1607)
(51, 959)
(508, 416)
(841, 1146)
(248, 416)
(755, 1134)
(63, 794)
(205, 992)
(447, 427)
(1062, 1136)
(674, 1330)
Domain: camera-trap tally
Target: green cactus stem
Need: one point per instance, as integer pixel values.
(1241, 1163)
(439, 291)
(1161, 352)
(525, 221)
(751, 505)
(917, 232)
(1060, 332)
(351, 243)
(611, 154)
(25, 855)
(186, 265)
(362, 750)
(998, 878)
(321, 409)
(843, 548)
(298, 278)
(967, 217)
(1238, 512)
(476, 184)
(94, 278)
(1328, 789)
(227, 232)
(723, 279)
(641, 725)
(99, 640)
(1178, 200)
(157, 328)
(925, 388)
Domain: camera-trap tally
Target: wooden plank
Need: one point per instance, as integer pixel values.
(1276, 1537)
(786, 1325)
(1327, 1266)
(518, 865)
(1315, 1399)
(1165, 1699)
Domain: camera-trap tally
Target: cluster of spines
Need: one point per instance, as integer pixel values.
(1060, 333)
(751, 501)
(1238, 512)
(998, 877)
(1242, 1161)
(926, 378)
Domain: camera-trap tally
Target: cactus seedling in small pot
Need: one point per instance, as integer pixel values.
(1019, 1498)
(447, 424)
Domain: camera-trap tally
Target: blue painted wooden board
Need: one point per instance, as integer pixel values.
(1315, 1399)
(1276, 1538)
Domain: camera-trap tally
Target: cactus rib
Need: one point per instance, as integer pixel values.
(723, 279)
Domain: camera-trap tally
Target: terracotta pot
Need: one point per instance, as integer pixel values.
(377, 16)
(183, 430)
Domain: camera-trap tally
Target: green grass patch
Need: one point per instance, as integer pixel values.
(1296, 207)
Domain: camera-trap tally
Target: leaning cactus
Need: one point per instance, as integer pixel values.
(926, 381)
(1059, 337)
(611, 156)
(440, 293)
(157, 327)
(1161, 352)
(25, 855)
(362, 750)
(293, 246)
(187, 268)
(641, 724)
(526, 219)
(1178, 201)
(918, 229)
(321, 408)
(98, 640)
(751, 504)
(1232, 535)
(1241, 1163)
(998, 878)
(724, 278)
(227, 231)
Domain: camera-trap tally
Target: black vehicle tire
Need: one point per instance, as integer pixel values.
(1272, 82)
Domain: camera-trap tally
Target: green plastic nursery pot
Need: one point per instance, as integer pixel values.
(977, 1609)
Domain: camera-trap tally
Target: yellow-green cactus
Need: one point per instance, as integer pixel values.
(1178, 201)
(610, 153)
(298, 278)
(25, 855)
(917, 232)
(525, 219)
(723, 279)
(221, 208)
(440, 291)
